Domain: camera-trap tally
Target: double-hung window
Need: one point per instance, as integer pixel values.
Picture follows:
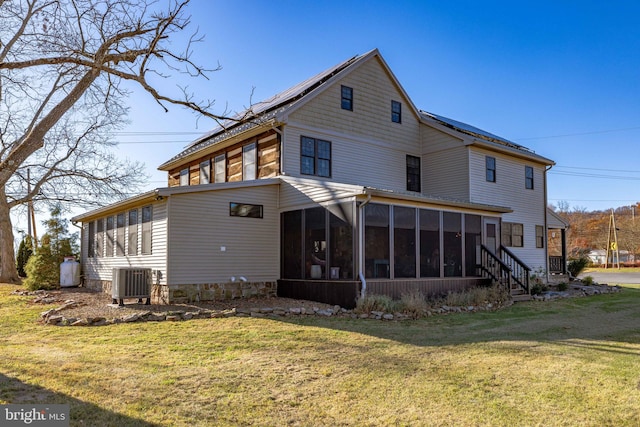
(315, 156)
(219, 168)
(110, 240)
(396, 112)
(249, 162)
(539, 236)
(490, 163)
(413, 173)
(346, 101)
(512, 234)
(91, 246)
(205, 172)
(133, 232)
(120, 234)
(528, 177)
(147, 221)
(184, 177)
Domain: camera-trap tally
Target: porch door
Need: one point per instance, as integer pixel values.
(492, 234)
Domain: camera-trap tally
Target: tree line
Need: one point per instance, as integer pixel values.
(589, 230)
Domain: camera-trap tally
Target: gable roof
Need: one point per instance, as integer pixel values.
(267, 112)
(271, 112)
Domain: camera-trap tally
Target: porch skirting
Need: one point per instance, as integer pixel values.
(337, 292)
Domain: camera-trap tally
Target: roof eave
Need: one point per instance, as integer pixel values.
(437, 201)
(141, 199)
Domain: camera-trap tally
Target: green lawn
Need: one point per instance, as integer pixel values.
(562, 363)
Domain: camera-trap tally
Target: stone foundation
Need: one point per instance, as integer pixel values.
(176, 294)
(218, 291)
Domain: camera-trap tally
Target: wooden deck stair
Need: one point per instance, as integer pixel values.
(519, 295)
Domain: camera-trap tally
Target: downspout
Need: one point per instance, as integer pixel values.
(363, 292)
(546, 232)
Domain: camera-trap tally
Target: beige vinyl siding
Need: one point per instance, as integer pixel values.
(101, 268)
(373, 91)
(356, 161)
(509, 190)
(200, 228)
(446, 173)
(434, 140)
(296, 193)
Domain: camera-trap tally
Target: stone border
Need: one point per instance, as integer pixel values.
(53, 316)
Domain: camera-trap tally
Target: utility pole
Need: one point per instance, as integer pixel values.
(612, 245)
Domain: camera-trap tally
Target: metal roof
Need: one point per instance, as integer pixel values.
(473, 131)
(263, 111)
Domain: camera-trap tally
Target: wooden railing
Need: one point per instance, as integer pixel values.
(555, 264)
(493, 267)
(519, 270)
(506, 269)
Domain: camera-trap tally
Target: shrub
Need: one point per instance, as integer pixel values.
(413, 304)
(576, 266)
(43, 269)
(24, 253)
(376, 303)
(563, 286)
(477, 296)
(588, 280)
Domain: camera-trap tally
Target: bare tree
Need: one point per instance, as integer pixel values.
(63, 69)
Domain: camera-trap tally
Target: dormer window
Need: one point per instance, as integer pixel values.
(396, 112)
(346, 98)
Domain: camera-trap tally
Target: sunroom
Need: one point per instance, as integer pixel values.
(383, 242)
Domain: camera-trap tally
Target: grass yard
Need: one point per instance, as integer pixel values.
(573, 362)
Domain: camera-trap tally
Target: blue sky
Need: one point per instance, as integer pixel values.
(559, 77)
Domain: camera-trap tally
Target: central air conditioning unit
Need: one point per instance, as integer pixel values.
(131, 282)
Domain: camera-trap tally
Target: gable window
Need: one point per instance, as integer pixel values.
(512, 234)
(147, 221)
(539, 236)
(110, 227)
(249, 162)
(219, 174)
(91, 246)
(205, 172)
(346, 98)
(133, 232)
(413, 173)
(490, 163)
(100, 238)
(120, 234)
(528, 177)
(184, 177)
(315, 157)
(396, 112)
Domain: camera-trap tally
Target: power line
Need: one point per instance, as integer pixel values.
(578, 134)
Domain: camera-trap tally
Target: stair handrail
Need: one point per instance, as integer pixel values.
(505, 272)
(520, 271)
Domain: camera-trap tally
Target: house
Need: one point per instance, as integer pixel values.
(336, 187)
(599, 257)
